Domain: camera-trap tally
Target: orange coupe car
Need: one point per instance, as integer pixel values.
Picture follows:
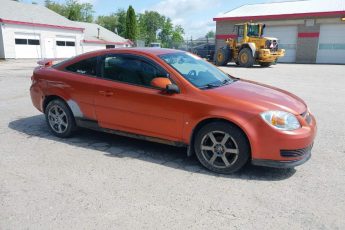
(174, 97)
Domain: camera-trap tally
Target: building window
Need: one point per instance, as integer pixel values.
(65, 43)
(33, 42)
(70, 43)
(110, 46)
(60, 43)
(20, 41)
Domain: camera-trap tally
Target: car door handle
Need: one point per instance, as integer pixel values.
(106, 93)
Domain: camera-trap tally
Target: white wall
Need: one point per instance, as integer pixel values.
(88, 47)
(9, 30)
(2, 53)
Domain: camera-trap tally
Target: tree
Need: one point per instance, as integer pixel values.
(210, 34)
(177, 36)
(115, 22)
(131, 24)
(56, 7)
(72, 10)
(149, 26)
(121, 19)
(149, 23)
(109, 22)
(166, 33)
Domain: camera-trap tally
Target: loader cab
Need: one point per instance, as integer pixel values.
(239, 32)
(247, 30)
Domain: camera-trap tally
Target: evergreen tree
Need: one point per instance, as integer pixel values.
(131, 24)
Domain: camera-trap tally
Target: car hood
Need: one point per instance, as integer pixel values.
(260, 96)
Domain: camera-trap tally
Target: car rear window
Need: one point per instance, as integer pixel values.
(86, 66)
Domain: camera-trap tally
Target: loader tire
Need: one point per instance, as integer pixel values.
(222, 56)
(245, 58)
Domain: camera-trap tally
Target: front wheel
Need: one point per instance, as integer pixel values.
(222, 147)
(245, 58)
(60, 119)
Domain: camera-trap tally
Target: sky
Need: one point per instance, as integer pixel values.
(195, 16)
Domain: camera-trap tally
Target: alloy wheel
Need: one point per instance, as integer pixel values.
(219, 149)
(57, 118)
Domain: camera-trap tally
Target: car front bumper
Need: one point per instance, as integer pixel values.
(284, 163)
(283, 149)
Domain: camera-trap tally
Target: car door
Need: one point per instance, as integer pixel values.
(126, 101)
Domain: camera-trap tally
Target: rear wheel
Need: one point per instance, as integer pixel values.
(222, 147)
(222, 56)
(59, 118)
(245, 58)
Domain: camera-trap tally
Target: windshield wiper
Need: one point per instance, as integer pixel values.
(215, 85)
(234, 78)
(226, 81)
(210, 86)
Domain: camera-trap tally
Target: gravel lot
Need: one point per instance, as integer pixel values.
(103, 181)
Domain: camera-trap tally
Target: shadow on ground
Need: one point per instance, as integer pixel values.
(122, 147)
(233, 65)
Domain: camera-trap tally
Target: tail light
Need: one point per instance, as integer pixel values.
(33, 80)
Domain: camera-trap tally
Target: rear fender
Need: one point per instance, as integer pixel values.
(72, 104)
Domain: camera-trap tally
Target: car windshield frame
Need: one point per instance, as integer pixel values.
(220, 78)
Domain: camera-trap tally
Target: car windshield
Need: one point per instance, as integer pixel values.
(197, 71)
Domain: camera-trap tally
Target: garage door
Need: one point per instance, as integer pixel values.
(287, 36)
(27, 45)
(331, 44)
(65, 47)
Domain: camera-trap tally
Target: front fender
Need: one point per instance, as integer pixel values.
(239, 119)
(252, 46)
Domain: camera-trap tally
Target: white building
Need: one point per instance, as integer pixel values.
(97, 37)
(33, 31)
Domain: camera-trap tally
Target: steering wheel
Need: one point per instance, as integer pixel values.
(191, 74)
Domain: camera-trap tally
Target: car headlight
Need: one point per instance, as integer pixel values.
(281, 120)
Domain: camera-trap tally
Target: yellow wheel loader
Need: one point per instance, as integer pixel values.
(249, 47)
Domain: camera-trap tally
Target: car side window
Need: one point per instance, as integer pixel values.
(130, 69)
(86, 66)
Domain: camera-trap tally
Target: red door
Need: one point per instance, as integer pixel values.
(125, 100)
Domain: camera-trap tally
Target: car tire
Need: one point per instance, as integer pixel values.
(222, 147)
(245, 58)
(60, 119)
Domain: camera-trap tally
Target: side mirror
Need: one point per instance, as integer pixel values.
(172, 88)
(160, 82)
(165, 84)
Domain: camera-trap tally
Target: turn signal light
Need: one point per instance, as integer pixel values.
(277, 121)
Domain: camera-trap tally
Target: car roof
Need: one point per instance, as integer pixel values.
(147, 50)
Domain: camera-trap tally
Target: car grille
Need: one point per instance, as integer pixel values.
(296, 152)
